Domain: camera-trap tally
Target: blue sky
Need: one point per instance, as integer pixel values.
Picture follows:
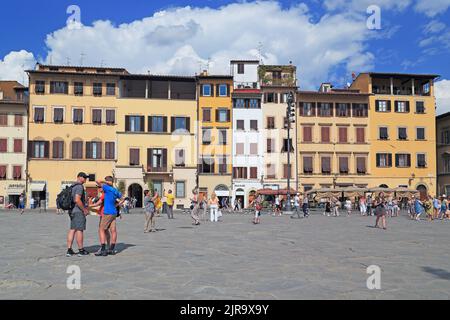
(327, 39)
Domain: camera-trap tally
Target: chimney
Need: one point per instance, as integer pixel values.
(204, 73)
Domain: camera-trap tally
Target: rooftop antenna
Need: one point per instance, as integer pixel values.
(82, 55)
(68, 61)
(102, 63)
(200, 66)
(208, 63)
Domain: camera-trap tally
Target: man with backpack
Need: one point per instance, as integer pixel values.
(73, 199)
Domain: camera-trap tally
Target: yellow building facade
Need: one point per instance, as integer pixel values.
(72, 128)
(333, 139)
(402, 130)
(215, 134)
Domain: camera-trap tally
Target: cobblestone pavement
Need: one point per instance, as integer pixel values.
(315, 258)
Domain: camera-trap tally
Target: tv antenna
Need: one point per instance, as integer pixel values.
(82, 55)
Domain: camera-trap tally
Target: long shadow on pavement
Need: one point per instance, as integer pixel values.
(119, 247)
(438, 273)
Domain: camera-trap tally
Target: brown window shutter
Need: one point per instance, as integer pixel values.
(3, 145)
(389, 106)
(212, 89)
(165, 124)
(164, 159)
(149, 159)
(217, 89)
(18, 121)
(142, 120)
(127, 123)
(172, 124)
(201, 90)
(188, 124)
(307, 134)
(228, 90)
(99, 150)
(88, 150)
(301, 111)
(150, 123)
(17, 145)
(325, 134)
(217, 115)
(46, 149)
(228, 115)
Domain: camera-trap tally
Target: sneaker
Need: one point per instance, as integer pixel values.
(111, 252)
(82, 253)
(101, 253)
(70, 253)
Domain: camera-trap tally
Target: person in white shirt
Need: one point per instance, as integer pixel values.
(297, 205)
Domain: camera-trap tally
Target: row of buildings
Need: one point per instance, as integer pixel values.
(219, 133)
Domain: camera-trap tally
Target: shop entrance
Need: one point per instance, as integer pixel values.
(135, 191)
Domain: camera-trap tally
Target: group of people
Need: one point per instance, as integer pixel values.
(199, 205)
(153, 205)
(433, 207)
(107, 205)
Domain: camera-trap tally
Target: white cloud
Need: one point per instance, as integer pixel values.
(432, 8)
(13, 65)
(362, 5)
(182, 40)
(434, 26)
(442, 93)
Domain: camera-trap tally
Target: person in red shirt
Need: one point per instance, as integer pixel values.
(101, 206)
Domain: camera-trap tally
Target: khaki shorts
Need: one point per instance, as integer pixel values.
(108, 221)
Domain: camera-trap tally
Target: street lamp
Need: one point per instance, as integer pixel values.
(290, 118)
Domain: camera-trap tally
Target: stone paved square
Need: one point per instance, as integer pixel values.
(316, 258)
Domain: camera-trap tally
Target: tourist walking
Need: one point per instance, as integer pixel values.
(32, 202)
(305, 206)
(170, 201)
(297, 205)
(236, 205)
(157, 201)
(257, 203)
(195, 207)
(369, 206)
(277, 206)
(78, 216)
(419, 208)
(327, 211)
(214, 207)
(335, 204)
(396, 207)
(22, 203)
(348, 206)
(428, 205)
(149, 211)
(99, 203)
(380, 207)
(436, 207)
(444, 207)
(108, 221)
(362, 206)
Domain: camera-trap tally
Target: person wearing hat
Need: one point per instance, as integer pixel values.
(78, 216)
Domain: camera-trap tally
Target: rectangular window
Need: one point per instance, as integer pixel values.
(270, 122)
(59, 87)
(39, 115)
(287, 171)
(78, 88)
(420, 133)
(271, 171)
(239, 103)
(3, 145)
(134, 157)
(18, 143)
(343, 165)
(180, 189)
(307, 134)
(58, 115)
(206, 115)
(180, 160)
(240, 173)
(287, 144)
(223, 90)
(222, 137)
(254, 104)
(206, 90)
(271, 97)
(180, 124)
(18, 120)
(97, 116)
(270, 145)
(39, 149)
(384, 160)
(402, 134)
(384, 133)
(134, 123)
(343, 110)
(253, 149)
(110, 89)
(325, 110)
(308, 164)
(222, 115)
(4, 119)
(93, 150)
(307, 109)
(343, 136)
(360, 135)
(326, 165)
(403, 160)
(110, 152)
(2, 172)
(402, 106)
(207, 165)
(420, 107)
(223, 165)
(97, 89)
(239, 148)
(58, 150)
(110, 117)
(254, 125)
(77, 150)
(157, 160)
(39, 87)
(360, 110)
(325, 134)
(157, 124)
(253, 173)
(421, 160)
(382, 106)
(241, 68)
(17, 172)
(240, 125)
(361, 165)
(206, 136)
(78, 116)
